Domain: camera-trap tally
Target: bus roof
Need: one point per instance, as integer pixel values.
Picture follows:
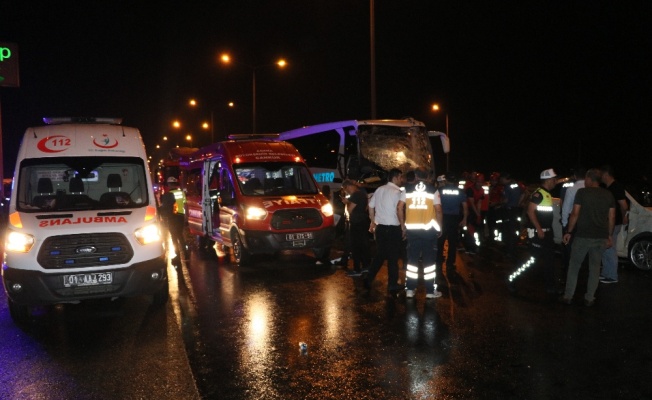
(353, 124)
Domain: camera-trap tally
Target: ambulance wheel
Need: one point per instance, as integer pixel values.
(19, 313)
(160, 297)
(240, 254)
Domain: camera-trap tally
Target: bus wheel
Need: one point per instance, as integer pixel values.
(240, 254)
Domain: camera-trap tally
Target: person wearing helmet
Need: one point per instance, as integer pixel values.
(540, 234)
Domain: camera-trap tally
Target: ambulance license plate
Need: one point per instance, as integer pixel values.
(298, 236)
(92, 279)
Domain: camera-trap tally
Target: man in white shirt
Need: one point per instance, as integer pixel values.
(387, 214)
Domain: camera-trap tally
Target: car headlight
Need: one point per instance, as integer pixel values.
(327, 209)
(148, 234)
(19, 242)
(256, 213)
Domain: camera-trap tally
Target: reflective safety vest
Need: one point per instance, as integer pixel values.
(420, 206)
(544, 209)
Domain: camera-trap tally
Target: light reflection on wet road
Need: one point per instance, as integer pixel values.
(243, 326)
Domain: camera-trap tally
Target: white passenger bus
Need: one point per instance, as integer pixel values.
(364, 150)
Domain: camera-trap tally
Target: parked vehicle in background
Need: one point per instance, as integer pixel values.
(256, 196)
(167, 177)
(635, 239)
(82, 218)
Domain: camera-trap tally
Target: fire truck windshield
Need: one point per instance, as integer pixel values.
(274, 178)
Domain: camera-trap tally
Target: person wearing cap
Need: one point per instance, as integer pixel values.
(355, 201)
(455, 213)
(590, 225)
(540, 234)
(423, 219)
(441, 180)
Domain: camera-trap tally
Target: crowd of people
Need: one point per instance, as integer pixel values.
(424, 221)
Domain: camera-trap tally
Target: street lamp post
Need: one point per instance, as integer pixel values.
(435, 107)
(281, 63)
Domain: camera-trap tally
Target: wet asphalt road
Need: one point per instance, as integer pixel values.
(476, 342)
(233, 333)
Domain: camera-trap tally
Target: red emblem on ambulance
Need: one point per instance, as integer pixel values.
(105, 142)
(54, 144)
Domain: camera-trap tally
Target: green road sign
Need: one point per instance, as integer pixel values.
(9, 64)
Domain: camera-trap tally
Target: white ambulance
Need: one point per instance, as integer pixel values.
(82, 218)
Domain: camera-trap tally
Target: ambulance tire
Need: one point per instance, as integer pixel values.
(19, 313)
(161, 296)
(240, 255)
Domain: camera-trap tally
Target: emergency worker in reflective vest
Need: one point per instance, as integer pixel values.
(455, 213)
(423, 219)
(540, 235)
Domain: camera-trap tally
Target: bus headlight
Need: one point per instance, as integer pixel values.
(327, 209)
(256, 213)
(19, 242)
(148, 234)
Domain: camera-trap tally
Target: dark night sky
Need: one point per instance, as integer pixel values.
(526, 85)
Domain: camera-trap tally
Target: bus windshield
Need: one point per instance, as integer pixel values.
(274, 178)
(383, 147)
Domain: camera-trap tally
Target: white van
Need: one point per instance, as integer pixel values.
(82, 218)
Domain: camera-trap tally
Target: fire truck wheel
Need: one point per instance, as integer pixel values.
(240, 254)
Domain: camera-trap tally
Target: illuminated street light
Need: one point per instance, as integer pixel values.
(436, 108)
(281, 63)
(205, 125)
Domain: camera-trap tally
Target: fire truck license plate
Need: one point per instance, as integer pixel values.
(298, 236)
(97, 278)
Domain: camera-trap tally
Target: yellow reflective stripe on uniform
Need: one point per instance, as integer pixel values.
(425, 195)
(430, 225)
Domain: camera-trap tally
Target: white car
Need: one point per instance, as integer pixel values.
(635, 240)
